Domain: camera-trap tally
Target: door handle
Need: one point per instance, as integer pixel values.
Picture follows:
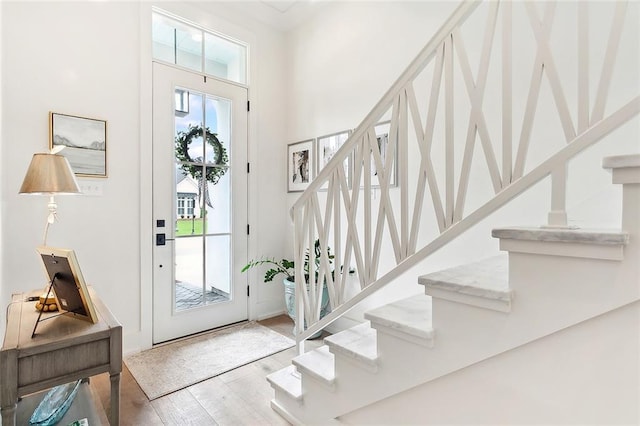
(161, 239)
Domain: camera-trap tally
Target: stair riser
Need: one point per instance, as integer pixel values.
(285, 398)
(407, 341)
(311, 382)
(390, 346)
(499, 305)
(571, 250)
(571, 287)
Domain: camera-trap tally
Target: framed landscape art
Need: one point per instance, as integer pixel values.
(84, 140)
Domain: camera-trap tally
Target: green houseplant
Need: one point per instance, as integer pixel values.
(287, 268)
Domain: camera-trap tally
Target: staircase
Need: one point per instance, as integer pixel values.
(551, 281)
(544, 333)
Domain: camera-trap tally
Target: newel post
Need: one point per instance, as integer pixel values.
(625, 170)
(557, 217)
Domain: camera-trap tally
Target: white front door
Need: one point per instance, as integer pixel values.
(199, 203)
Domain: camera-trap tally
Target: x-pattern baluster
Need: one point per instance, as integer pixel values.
(361, 227)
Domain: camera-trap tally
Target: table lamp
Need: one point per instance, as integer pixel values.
(49, 174)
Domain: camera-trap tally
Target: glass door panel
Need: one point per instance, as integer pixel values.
(203, 181)
(189, 278)
(218, 213)
(218, 265)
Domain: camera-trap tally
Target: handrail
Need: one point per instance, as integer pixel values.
(346, 217)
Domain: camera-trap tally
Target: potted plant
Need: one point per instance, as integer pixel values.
(287, 268)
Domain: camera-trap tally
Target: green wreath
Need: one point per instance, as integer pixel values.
(220, 157)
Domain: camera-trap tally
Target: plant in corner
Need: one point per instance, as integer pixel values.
(287, 268)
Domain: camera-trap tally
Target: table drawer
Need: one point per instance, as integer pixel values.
(61, 362)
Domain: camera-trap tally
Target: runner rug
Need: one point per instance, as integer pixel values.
(174, 366)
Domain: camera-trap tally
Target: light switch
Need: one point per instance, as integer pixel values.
(91, 187)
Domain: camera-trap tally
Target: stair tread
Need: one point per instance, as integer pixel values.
(561, 235)
(318, 363)
(488, 278)
(287, 380)
(358, 342)
(621, 161)
(411, 316)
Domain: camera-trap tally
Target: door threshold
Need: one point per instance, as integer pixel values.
(200, 333)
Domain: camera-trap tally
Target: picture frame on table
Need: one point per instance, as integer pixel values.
(84, 140)
(300, 161)
(71, 293)
(327, 146)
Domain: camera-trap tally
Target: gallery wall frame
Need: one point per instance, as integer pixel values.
(300, 161)
(326, 147)
(85, 142)
(382, 131)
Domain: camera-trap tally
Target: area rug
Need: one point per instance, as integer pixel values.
(166, 369)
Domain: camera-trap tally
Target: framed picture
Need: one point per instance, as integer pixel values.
(327, 146)
(84, 141)
(382, 135)
(299, 165)
(70, 290)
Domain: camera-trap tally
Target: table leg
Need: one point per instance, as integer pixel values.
(115, 399)
(9, 415)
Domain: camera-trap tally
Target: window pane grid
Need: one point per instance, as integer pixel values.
(194, 48)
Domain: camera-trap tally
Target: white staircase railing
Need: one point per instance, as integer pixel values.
(379, 205)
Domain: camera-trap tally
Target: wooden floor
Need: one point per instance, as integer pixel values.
(238, 397)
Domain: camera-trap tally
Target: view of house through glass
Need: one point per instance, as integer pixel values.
(202, 200)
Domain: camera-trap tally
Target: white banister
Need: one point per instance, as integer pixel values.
(583, 67)
(609, 62)
(507, 101)
(342, 210)
(583, 141)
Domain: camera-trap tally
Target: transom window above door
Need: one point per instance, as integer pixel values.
(186, 45)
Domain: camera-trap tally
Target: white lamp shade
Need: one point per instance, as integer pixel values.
(49, 174)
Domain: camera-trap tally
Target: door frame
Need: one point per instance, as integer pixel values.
(142, 338)
(169, 323)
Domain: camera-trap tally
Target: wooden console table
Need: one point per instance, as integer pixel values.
(64, 349)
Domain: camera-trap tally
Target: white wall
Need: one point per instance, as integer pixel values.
(81, 59)
(342, 61)
(345, 58)
(90, 59)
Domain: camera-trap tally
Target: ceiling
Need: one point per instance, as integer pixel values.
(283, 15)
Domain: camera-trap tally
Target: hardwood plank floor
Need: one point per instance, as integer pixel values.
(238, 397)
